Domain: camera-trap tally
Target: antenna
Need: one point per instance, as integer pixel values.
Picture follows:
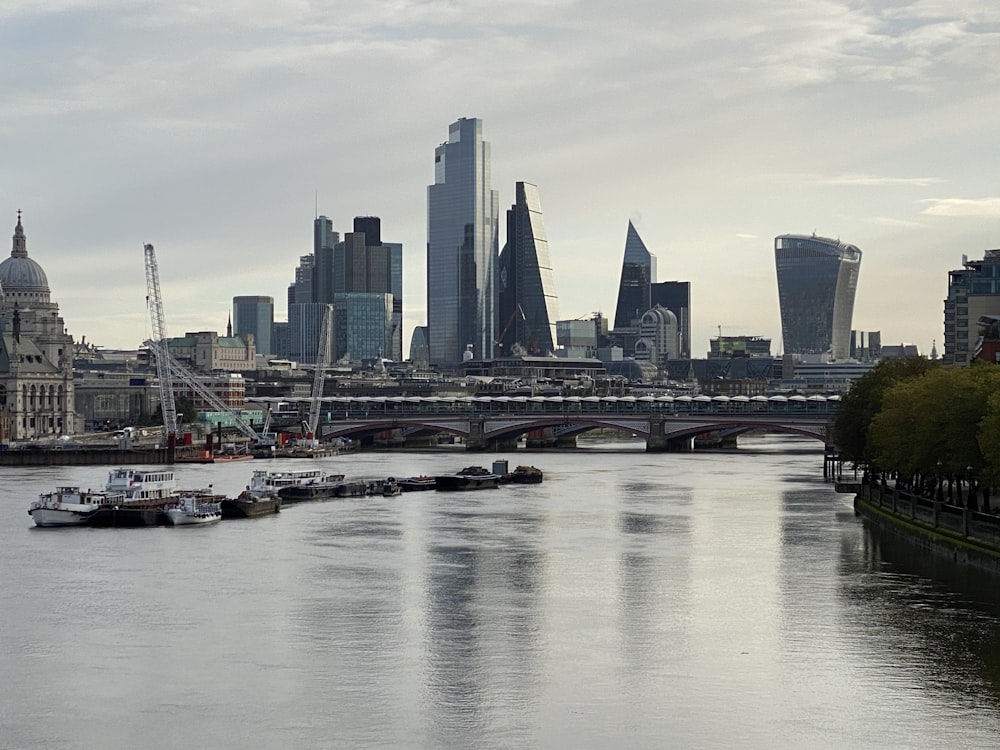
(317, 205)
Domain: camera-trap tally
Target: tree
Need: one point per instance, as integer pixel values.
(863, 401)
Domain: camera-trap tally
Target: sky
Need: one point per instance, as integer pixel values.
(216, 130)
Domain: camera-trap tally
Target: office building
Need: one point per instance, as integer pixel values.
(362, 326)
(462, 238)
(324, 243)
(528, 307)
(676, 297)
(254, 316)
(659, 337)
(817, 281)
(638, 273)
(973, 292)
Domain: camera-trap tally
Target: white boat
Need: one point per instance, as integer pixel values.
(68, 506)
(143, 485)
(195, 508)
(265, 483)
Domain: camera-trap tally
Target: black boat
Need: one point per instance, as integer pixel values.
(469, 478)
(245, 506)
(320, 490)
(416, 484)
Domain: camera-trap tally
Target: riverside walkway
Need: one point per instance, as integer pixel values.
(668, 423)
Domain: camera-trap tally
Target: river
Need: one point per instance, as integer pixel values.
(633, 600)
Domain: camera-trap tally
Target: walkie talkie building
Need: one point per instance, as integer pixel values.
(817, 281)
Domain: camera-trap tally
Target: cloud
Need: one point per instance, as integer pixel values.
(878, 181)
(962, 207)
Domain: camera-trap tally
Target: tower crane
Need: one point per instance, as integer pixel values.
(158, 344)
(322, 362)
(168, 368)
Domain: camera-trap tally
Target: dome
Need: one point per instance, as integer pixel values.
(19, 272)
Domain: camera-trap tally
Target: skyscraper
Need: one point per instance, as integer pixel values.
(462, 224)
(528, 307)
(973, 291)
(255, 315)
(817, 281)
(676, 297)
(324, 273)
(638, 272)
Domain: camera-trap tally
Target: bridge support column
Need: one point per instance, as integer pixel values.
(659, 441)
(569, 441)
(543, 438)
(476, 441)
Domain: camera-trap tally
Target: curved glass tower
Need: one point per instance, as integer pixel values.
(817, 280)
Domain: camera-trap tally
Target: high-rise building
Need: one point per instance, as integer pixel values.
(324, 242)
(973, 291)
(638, 273)
(817, 281)
(362, 325)
(528, 307)
(676, 297)
(255, 315)
(462, 238)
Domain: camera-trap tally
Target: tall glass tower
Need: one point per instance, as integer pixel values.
(255, 314)
(528, 308)
(462, 223)
(817, 281)
(638, 272)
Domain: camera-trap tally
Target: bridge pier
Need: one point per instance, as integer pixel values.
(543, 438)
(660, 442)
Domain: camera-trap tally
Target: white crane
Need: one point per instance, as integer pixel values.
(158, 344)
(168, 368)
(322, 361)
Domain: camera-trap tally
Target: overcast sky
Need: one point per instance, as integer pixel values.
(209, 128)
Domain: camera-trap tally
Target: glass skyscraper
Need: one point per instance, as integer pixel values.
(817, 281)
(255, 314)
(462, 238)
(528, 307)
(638, 272)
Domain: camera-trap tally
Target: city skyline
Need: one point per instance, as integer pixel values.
(868, 122)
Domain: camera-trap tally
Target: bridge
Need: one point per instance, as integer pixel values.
(667, 423)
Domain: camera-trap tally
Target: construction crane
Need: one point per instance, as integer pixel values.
(322, 362)
(168, 368)
(158, 344)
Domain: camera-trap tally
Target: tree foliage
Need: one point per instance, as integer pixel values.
(852, 423)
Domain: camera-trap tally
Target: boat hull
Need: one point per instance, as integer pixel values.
(56, 517)
(461, 482)
(177, 517)
(127, 517)
(250, 508)
(305, 492)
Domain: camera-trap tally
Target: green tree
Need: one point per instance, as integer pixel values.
(863, 401)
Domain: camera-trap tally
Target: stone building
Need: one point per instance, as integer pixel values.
(36, 352)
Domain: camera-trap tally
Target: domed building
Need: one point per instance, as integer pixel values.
(659, 337)
(36, 353)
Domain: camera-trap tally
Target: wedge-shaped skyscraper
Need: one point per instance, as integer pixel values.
(528, 306)
(817, 281)
(638, 272)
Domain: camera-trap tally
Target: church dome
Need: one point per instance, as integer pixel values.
(19, 272)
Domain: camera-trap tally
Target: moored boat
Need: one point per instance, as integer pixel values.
(265, 483)
(147, 493)
(69, 506)
(245, 506)
(319, 489)
(469, 478)
(526, 475)
(416, 484)
(195, 509)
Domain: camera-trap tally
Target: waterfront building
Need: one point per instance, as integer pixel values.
(36, 352)
(462, 238)
(528, 306)
(638, 273)
(659, 337)
(817, 281)
(254, 316)
(973, 292)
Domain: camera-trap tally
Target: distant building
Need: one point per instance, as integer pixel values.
(254, 316)
(866, 346)
(419, 354)
(528, 307)
(676, 297)
(659, 337)
(638, 273)
(973, 292)
(36, 352)
(817, 281)
(462, 237)
(208, 352)
(362, 325)
(740, 346)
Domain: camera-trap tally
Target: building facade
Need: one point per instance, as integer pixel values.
(817, 282)
(676, 297)
(528, 306)
(462, 238)
(659, 337)
(254, 316)
(208, 352)
(36, 352)
(638, 273)
(973, 292)
(362, 326)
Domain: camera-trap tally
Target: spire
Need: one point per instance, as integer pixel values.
(229, 327)
(20, 247)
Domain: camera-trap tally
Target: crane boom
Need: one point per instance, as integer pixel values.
(158, 344)
(322, 362)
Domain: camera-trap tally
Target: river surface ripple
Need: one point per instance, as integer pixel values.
(708, 600)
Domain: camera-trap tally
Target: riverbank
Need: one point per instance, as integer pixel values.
(963, 536)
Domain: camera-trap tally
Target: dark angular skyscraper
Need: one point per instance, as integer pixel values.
(528, 307)
(676, 297)
(638, 272)
(817, 280)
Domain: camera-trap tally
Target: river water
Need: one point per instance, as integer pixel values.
(705, 600)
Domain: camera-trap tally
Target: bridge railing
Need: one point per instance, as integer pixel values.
(344, 407)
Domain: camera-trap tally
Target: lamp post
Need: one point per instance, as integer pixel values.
(971, 498)
(940, 485)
